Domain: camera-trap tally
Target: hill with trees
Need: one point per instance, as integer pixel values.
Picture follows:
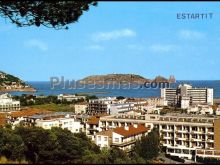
(9, 82)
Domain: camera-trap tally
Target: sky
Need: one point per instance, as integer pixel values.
(143, 38)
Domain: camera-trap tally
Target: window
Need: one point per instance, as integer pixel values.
(116, 139)
(105, 138)
(99, 138)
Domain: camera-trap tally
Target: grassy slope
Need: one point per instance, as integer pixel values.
(55, 107)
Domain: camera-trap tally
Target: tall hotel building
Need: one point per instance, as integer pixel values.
(184, 95)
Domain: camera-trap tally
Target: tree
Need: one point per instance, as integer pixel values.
(54, 14)
(148, 146)
(11, 145)
(120, 97)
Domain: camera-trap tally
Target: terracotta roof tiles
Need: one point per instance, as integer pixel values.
(131, 130)
(29, 112)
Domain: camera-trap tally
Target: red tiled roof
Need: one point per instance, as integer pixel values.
(131, 131)
(93, 120)
(29, 112)
(2, 119)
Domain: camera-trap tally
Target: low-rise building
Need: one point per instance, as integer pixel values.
(67, 122)
(151, 109)
(81, 108)
(8, 104)
(217, 112)
(200, 109)
(156, 101)
(70, 98)
(22, 116)
(92, 126)
(120, 108)
(123, 138)
(103, 139)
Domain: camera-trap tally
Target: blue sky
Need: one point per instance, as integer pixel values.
(143, 38)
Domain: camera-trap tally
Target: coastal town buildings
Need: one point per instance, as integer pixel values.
(121, 137)
(217, 112)
(8, 104)
(70, 98)
(67, 122)
(120, 108)
(156, 101)
(101, 105)
(81, 108)
(181, 135)
(185, 95)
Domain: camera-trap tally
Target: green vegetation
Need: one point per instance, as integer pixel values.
(57, 146)
(166, 110)
(57, 14)
(207, 160)
(55, 107)
(30, 100)
(9, 79)
(148, 146)
(120, 97)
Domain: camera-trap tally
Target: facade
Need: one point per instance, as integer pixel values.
(151, 109)
(81, 108)
(120, 108)
(8, 104)
(121, 137)
(181, 135)
(70, 98)
(101, 105)
(104, 139)
(67, 122)
(200, 109)
(92, 127)
(125, 137)
(157, 101)
(185, 95)
(217, 112)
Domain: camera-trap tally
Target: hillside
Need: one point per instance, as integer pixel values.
(9, 82)
(119, 78)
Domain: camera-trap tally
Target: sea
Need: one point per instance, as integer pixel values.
(137, 91)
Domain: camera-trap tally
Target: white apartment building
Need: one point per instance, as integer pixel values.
(217, 112)
(157, 101)
(116, 108)
(151, 109)
(81, 108)
(101, 105)
(184, 95)
(8, 104)
(67, 122)
(181, 135)
(200, 109)
(70, 98)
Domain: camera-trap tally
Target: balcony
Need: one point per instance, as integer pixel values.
(167, 130)
(210, 140)
(210, 133)
(168, 137)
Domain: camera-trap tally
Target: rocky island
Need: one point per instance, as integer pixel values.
(9, 83)
(120, 78)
